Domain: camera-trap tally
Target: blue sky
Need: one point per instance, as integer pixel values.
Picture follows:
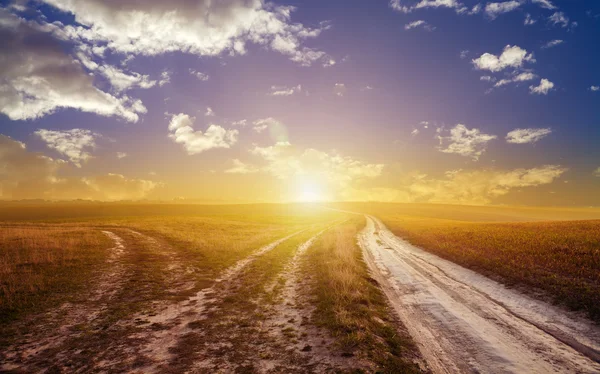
(408, 101)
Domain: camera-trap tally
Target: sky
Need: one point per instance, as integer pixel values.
(233, 101)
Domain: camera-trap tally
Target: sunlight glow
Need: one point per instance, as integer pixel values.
(310, 192)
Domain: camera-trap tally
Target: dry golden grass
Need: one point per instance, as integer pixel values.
(50, 256)
(351, 305)
(39, 263)
(214, 243)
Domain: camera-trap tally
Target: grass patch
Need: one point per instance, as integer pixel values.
(351, 305)
(41, 265)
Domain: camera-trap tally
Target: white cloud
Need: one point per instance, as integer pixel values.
(419, 23)
(200, 75)
(261, 125)
(524, 136)
(38, 78)
(528, 20)
(521, 77)
(546, 4)
(397, 5)
(209, 112)
(597, 172)
(553, 43)
(559, 18)
(121, 155)
(203, 27)
(335, 173)
(284, 90)
(328, 62)
(165, 78)
(121, 81)
(240, 123)
(543, 88)
(479, 187)
(511, 57)
(462, 141)
(339, 89)
(241, 168)
(493, 10)
(487, 78)
(476, 9)
(464, 54)
(71, 143)
(181, 130)
(117, 187)
(415, 132)
(31, 175)
(594, 88)
(471, 187)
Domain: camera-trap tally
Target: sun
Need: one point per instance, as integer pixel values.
(310, 192)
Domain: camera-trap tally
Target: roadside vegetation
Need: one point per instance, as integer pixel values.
(350, 304)
(40, 265)
(543, 251)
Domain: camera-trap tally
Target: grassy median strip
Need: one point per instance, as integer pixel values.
(351, 305)
(230, 335)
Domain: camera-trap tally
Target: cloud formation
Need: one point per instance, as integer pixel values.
(398, 5)
(339, 89)
(336, 173)
(31, 175)
(420, 23)
(465, 142)
(524, 136)
(493, 10)
(203, 27)
(553, 43)
(511, 57)
(200, 75)
(546, 4)
(528, 20)
(73, 143)
(477, 187)
(181, 131)
(241, 168)
(515, 78)
(543, 88)
(38, 77)
(285, 90)
(559, 19)
(480, 187)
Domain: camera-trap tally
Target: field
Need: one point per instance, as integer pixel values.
(174, 288)
(554, 253)
(91, 287)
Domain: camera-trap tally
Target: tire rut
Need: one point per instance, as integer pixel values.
(294, 344)
(464, 322)
(165, 328)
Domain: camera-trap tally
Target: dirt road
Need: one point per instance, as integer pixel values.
(464, 322)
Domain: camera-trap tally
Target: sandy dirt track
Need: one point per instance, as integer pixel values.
(464, 322)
